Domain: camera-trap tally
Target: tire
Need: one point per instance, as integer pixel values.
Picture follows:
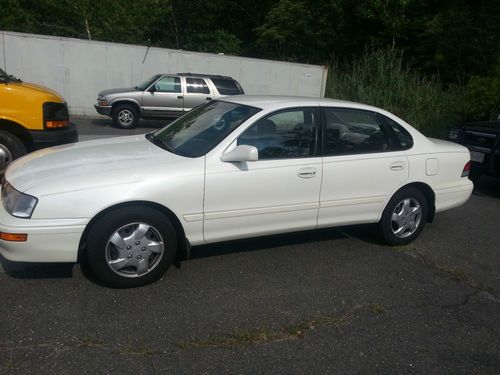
(131, 246)
(125, 116)
(410, 209)
(11, 148)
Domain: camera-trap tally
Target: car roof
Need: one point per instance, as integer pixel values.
(272, 101)
(203, 75)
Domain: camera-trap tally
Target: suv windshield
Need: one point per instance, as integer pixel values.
(201, 129)
(143, 86)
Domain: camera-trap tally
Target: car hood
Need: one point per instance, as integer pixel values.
(39, 90)
(79, 166)
(117, 91)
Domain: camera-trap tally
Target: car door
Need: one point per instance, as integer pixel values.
(164, 97)
(277, 193)
(361, 167)
(197, 92)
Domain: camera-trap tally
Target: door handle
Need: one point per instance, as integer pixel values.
(180, 97)
(208, 98)
(306, 172)
(397, 166)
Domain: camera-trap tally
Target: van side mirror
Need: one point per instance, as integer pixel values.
(241, 153)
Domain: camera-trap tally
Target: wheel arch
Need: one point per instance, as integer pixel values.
(428, 193)
(18, 130)
(119, 102)
(179, 229)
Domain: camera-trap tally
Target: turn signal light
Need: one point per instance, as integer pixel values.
(14, 237)
(466, 170)
(57, 124)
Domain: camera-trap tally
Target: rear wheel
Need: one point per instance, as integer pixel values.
(125, 116)
(404, 217)
(11, 147)
(131, 246)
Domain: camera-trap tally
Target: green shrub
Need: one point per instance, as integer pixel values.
(383, 79)
(482, 97)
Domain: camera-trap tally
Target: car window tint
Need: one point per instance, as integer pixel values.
(226, 86)
(168, 84)
(287, 134)
(197, 86)
(403, 139)
(351, 131)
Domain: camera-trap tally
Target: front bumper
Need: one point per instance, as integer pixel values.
(103, 110)
(49, 138)
(49, 240)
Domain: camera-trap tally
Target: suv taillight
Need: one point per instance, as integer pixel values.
(55, 115)
(466, 169)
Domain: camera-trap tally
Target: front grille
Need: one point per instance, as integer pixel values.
(481, 139)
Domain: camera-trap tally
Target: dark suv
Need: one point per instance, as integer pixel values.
(483, 141)
(163, 95)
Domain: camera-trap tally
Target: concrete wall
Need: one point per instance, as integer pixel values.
(79, 69)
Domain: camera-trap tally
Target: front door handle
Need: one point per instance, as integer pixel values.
(397, 166)
(180, 97)
(306, 172)
(208, 98)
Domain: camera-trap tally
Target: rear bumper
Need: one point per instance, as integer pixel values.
(454, 196)
(49, 138)
(103, 110)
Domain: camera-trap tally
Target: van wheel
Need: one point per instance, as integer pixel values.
(125, 116)
(404, 217)
(11, 147)
(131, 246)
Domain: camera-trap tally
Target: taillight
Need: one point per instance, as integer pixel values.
(466, 169)
(55, 115)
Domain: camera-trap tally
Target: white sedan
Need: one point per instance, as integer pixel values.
(237, 167)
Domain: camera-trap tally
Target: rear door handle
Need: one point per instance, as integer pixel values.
(180, 97)
(208, 98)
(307, 172)
(397, 166)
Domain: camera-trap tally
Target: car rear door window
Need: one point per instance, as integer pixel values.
(350, 131)
(401, 139)
(286, 134)
(168, 84)
(226, 86)
(197, 86)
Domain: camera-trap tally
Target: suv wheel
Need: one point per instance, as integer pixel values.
(125, 116)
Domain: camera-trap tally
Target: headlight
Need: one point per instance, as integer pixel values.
(101, 100)
(16, 203)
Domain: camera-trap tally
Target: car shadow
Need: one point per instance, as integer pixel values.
(141, 124)
(487, 185)
(366, 233)
(25, 270)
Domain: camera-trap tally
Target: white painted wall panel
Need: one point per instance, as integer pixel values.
(79, 69)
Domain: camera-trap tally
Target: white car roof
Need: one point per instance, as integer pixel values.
(270, 102)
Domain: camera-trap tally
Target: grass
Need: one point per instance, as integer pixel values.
(286, 333)
(383, 79)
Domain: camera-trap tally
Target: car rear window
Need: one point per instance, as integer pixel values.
(227, 86)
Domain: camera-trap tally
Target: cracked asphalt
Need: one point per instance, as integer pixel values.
(330, 301)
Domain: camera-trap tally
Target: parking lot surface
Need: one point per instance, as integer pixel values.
(329, 301)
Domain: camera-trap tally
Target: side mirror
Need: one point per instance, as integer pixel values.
(241, 153)
(152, 89)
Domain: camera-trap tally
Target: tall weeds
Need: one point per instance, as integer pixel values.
(383, 79)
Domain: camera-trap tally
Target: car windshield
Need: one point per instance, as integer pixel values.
(143, 86)
(201, 129)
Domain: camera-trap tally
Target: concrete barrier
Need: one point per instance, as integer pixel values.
(79, 69)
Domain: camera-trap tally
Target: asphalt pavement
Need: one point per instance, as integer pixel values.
(333, 301)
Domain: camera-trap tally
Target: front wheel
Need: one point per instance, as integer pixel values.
(404, 217)
(131, 246)
(125, 116)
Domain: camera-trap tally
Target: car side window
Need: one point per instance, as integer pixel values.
(286, 134)
(168, 84)
(351, 131)
(226, 86)
(197, 86)
(402, 139)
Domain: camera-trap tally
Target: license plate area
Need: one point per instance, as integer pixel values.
(477, 156)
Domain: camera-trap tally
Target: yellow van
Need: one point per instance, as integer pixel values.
(31, 117)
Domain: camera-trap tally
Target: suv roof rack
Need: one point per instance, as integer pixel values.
(203, 75)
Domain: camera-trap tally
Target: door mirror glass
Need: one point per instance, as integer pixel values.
(152, 88)
(241, 153)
